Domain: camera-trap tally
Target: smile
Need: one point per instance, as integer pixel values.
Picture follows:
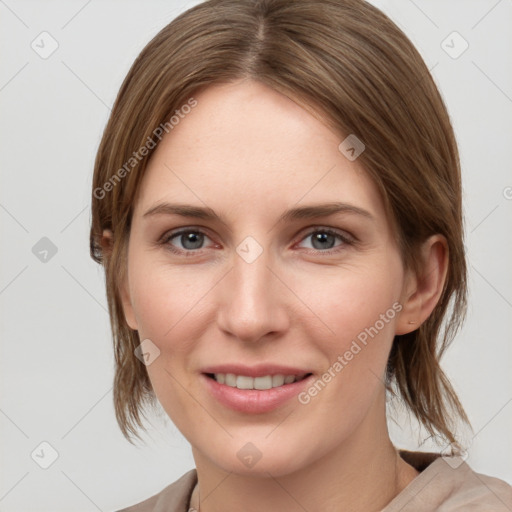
(260, 383)
(255, 394)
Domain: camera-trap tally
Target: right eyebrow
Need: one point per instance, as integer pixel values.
(184, 210)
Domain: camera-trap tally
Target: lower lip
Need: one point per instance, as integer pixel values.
(254, 401)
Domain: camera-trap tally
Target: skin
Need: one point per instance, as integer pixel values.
(250, 153)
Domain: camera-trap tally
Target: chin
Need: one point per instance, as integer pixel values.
(262, 457)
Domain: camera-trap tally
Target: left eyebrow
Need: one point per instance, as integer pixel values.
(302, 212)
(323, 210)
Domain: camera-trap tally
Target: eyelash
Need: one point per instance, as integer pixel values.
(167, 237)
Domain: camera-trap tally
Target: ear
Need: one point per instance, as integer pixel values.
(421, 292)
(107, 242)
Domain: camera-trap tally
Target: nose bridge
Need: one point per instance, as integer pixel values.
(252, 305)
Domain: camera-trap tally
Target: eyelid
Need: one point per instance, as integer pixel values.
(346, 239)
(344, 234)
(168, 235)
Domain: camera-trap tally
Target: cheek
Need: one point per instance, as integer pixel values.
(353, 300)
(360, 310)
(169, 312)
(166, 298)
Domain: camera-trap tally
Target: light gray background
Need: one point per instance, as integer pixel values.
(56, 356)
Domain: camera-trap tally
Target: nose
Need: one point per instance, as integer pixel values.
(253, 301)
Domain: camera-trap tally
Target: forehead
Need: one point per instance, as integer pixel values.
(244, 147)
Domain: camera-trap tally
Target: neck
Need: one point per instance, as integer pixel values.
(364, 473)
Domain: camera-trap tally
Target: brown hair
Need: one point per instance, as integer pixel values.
(349, 63)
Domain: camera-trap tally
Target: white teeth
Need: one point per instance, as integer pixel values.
(277, 380)
(230, 380)
(243, 382)
(261, 383)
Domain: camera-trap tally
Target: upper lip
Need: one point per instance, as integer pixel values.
(259, 370)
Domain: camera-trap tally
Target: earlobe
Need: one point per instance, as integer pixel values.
(107, 241)
(129, 314)
(422, 292)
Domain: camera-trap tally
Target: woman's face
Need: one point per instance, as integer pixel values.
(265, 289)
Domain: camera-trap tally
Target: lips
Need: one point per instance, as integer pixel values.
(254, 389)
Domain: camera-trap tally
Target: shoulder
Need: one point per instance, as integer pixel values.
(173, 498)
(477, 492)
(449, 484)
